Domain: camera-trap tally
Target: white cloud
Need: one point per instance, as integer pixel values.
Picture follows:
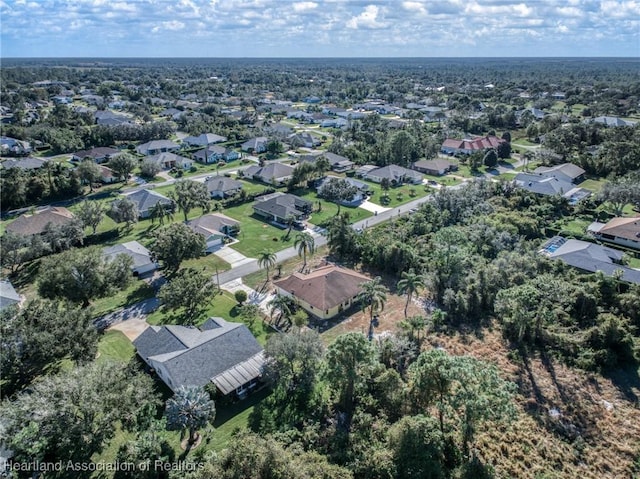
(415, 7)
(173, 25)
(300, 7)
(367, 19)
(519, 9)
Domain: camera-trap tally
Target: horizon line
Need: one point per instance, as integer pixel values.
(310, 57)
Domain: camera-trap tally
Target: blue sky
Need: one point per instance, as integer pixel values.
(319, 28)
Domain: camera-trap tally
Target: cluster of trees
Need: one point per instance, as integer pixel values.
(52, 182)
(378, 409)
(476, 251)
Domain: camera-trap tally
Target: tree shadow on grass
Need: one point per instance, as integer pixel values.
(627, 381)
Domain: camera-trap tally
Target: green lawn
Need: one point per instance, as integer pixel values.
(115, 346)
(398, 195)
(209, 263)
(592, 185)
(137, 291)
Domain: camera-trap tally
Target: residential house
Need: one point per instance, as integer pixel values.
(107, 175)
(325, 292)
(451, 146)
(612, 121)
(215, 227)
(589, 257)
(567, 172)
(109, 118)
(621, 231)
(396, 175)
(363, 190)
(146, 200)
(204, 140)
(143, 261)
(339, 164)
(17, 147)
(8, 295)
(36, 223)
(363, 170)
(305, 139)
(28, 163)
(436, 167)
(541, 184)
(168, 160)
(276, 174)
(330, 122)
(99, 155)
(255, 145)
(215, 153)
(157, 146)
(279, 207)
(222, 186)
(219, 352)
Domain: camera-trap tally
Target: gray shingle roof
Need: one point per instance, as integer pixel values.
(272, 170)
(222, 183)
(282, 205)
(589, 257)
(194, 357)
(147, 199)
(543, 185)
(28, 163)
(141, 256)
(8, 294)
(204, 139)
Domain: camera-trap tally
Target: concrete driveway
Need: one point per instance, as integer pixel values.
(232, 257)
(374, 208)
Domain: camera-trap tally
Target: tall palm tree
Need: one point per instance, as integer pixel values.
(410, 284)
(306, 245)
(160, 212)
(373, 296)
(283, 304)
(267, 260)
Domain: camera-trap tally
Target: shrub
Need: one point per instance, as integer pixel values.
(241, 296)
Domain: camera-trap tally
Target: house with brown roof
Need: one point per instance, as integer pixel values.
(36, 223)
(621, 231)
(99, 155)
(325, 292)
(467, 146)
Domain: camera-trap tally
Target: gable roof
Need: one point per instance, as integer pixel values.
(141, 256)
(33, 224)
(95, 153)
(254, 143)
(213, 223)
(156, 145)
(193, 357)
(628, 228)
(282, 204)
(222, 183)
(589, 257)
(543, 185)
(147, 199)
(475, 144)
(566, 171)
(8, 294)
(272, 170)
(324, 288)
(204, 139)
(394, 172)
(29, 163)
(167, 157)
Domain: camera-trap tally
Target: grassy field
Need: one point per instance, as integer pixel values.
(137, 291)
(115, 346)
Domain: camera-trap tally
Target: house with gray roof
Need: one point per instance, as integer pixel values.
(204, 140)
(276, 174)
(589, 257)
(255, 145)
(222, 186)
(8, 295)
(566, 171)
(168, 160)
(146, 200)
(362, 189)
(215, 153)
(278, 207)
(219, 352)
(215, 227)
(541, 184)
(612, 121)
(143, 261)
(435, 167)
(396, 175)
(157, 146)
(28, 163)
(304, 139)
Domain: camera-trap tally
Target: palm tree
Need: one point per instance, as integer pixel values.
(410, 284)
(189, 409)
(289, 220)
(283, 304)
(414, 325)
(267, 260)
(306, 245)
(373, 296)
(160, 212)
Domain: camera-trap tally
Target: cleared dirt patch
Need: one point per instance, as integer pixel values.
(132, 328)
